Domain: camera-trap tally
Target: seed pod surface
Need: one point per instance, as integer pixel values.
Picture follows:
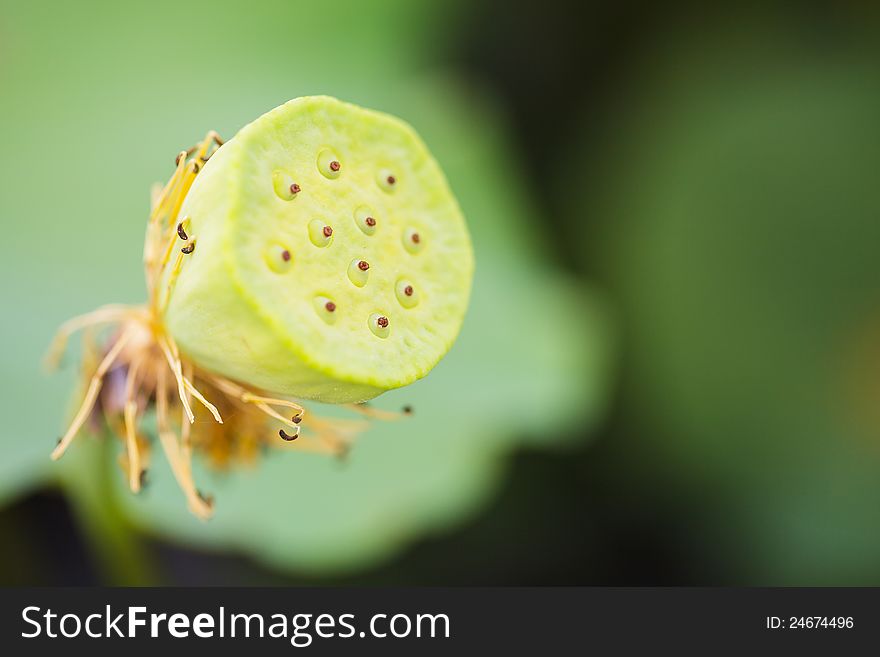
(331, 320)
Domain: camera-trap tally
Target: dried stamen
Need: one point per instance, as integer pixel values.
(181, 232)
(189, 248)
(286, 436)
(296, 419)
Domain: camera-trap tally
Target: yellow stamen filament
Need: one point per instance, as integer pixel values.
(91, 397)
(130, 414)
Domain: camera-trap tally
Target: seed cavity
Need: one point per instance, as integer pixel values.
(387, 180)
(278, 258)
(320, 233)
(406, 293)
(326, 309)
(365, 219)
(285, 187)
(379, 325)
(328, 164)
(412, 240)
(359, 272)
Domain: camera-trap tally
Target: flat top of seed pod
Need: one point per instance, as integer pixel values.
(348, 240)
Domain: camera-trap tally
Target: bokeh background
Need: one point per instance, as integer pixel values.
(670, 373)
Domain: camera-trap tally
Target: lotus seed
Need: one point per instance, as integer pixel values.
(328, 164)
(358, 272)
(379, 325)
(320, 233)
(363, 217)
(326, 309)
(386, 180)
(412, 241)
(278, 258)
(285, 187)
(406, 294)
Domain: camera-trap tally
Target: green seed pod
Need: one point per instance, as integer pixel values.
(331, 260)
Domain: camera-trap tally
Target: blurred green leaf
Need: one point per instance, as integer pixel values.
(735, 207)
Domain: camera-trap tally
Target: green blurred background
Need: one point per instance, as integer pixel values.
(670, 373)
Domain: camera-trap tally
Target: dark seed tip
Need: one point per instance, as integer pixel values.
(370, 222)
(363, 265)
(415, 238)
(327, 231)
(383, 322)
(334, 166)
(295, 189)
(285, 255)
(330, 306)
(391, 180)
(408, 290)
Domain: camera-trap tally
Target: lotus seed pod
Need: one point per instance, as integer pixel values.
(332, 261)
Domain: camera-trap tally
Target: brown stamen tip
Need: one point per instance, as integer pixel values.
(334, 166)
(383, 322)
(363, 265)
(330, 306)
(415, 238)
(391, 180)
(143, 478)
(296, 419)
(407, 410)
(177, 159)
(327, 231)
(181, 232)
(408, 290)
(285, 255)
(207, 499)
(59, 442)
(370, 222)
(295, 189)
(286, 436)
(189, 248)
(195, 167)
